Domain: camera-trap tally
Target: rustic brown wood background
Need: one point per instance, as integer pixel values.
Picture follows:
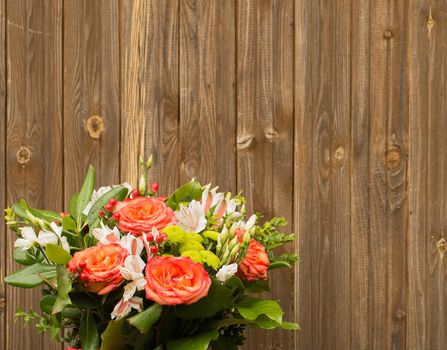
(331, 113)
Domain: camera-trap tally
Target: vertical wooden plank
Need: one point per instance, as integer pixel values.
(427, 321)
(322, 173)
(91, 92)
(379, 207)
(150, 89)
(265, 132)
(207, 92)
(34, 134)
(3, 242)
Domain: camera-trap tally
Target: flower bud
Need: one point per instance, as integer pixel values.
(142, 185)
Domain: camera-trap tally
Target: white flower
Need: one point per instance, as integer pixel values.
(133, 267)
(106, 235)
(191, 218)
(29, 237)
(124, 307)
(245, 226)
(227, 207)
(210, 198)
(132, 244)
(53, 237)
(99, 192)
(226, 272)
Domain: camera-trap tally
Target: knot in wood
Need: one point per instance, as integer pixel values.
(23, 155)
(244, 142)
(2, 304)
(393, 157)
(388, 34)
(441, 245)
(94, 126)
(339, 153)
(270, 133)
(400, 315)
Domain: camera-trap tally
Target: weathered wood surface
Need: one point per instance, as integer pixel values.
(331, 113)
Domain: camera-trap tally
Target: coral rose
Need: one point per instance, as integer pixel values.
(174, 280)
(141, 214)
(99, 267)
(255, 264)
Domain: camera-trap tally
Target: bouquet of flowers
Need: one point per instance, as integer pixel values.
(126, 268)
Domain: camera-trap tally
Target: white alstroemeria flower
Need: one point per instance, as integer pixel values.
(132, 244)
(46, 237)
(99, 192)
(210, 198)
(29, 237)
(133, 266)
(227, 206)
(191, 218)
(124, 307)
(245, 226)
(106, 235)
(226, 272)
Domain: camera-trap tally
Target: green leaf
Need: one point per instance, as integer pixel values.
(31, 276)
(23, 210)
(57, 254)
(71, 312)
(20, 210)
(186, 193)
(235, 283)
(266, 323)
(46, 215)
(251, 309)
(113, 337)
(89, 332)
(64, 283)
(199, 342)
(85, 194)
(258, 286)
(218, 299)
(22, 256)
(143, 321)
(84, 301)
(68, 223)
(119, 193)
(73, 203)
(47, 302)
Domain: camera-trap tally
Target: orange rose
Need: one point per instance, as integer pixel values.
(255, 264)
(173, 280)
(99, 267)
(141, 214)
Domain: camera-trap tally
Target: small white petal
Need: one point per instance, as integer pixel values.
(46, 237)
(65, 244)
(56, 229)
(23, 243)
(28, 233)
(226, 272)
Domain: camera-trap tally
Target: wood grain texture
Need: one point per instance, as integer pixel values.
(3, 241)
(322, 178)
(34, 135)
(207, 92)
(91, 92)
(150, 90)
(428, 180)
(265, 133)
(379, 141)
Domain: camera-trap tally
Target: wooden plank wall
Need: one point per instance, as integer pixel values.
(331, 113)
